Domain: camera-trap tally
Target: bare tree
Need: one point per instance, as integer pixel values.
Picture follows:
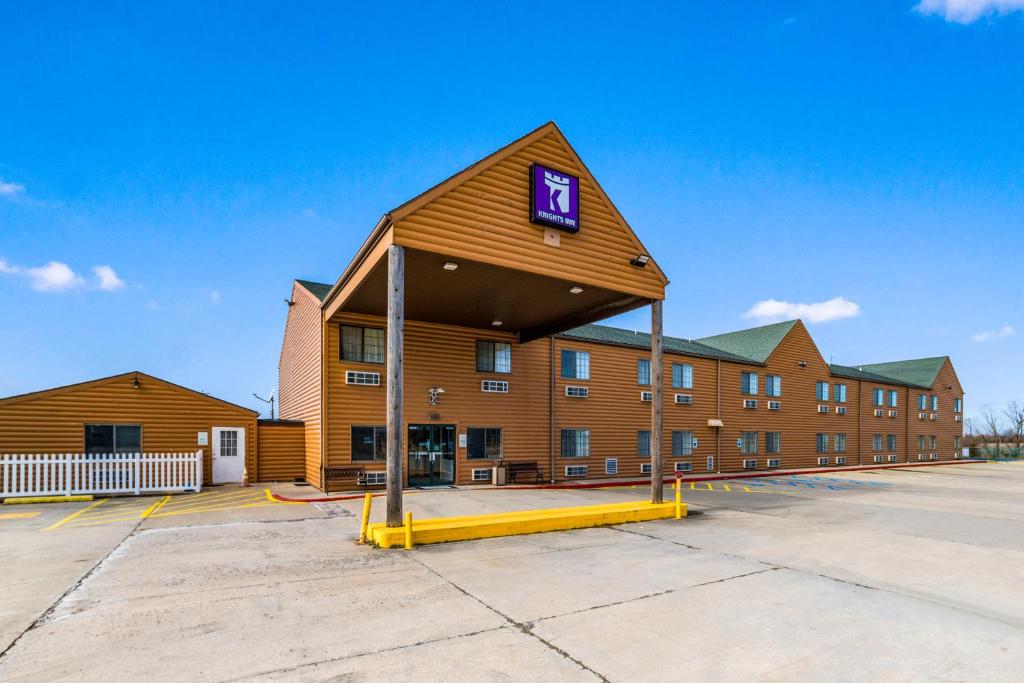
(993, 423)
(1014, 413)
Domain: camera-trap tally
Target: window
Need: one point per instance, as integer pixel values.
(483, 474)
(376, 478)
(935, 402)
(682, 443)
(483, 442)
(682, 376)
(643, 444)
(750, 403)
(922, 402)
(772, 442)
(111, 439)
(748, 384)
(879, 397)
(684, 399)
(362, 344)
(369, 443)
(494, 386)
(646, 396)
(575, 443)
(894, 398)
(577, 392)
(822, 442)
(492, 356)
(748, 442)
(229, 443)
(683, 467)
(773, 385)
(370, 379)
(821, 391)
(576, 364)
(611, 465)
(643, 372)
(890, 441)
(839, 443)
(576, 471)
(774, 405)
(933, 441)
(645, 468)
(711, 462)
(840, 393)
(958, 405)
(876, 442)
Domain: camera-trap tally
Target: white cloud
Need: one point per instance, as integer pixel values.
(4, 268)
(10, 189)
(153, 305)
(108, 279)
(968, 11)
(53, 277)
(215, 296)
(988, 335)
(772, 310)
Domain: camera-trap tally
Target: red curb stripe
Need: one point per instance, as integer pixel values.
(639, 482)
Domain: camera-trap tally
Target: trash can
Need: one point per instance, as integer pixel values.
(498, 475)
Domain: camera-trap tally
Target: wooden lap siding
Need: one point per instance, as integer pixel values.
(282, 455)
(54, 422)
(444, 356)
(300, 367)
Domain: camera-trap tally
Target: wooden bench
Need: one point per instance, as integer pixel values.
(514, 469)
(355, 472)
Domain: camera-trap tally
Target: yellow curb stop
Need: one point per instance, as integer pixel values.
(48, 499)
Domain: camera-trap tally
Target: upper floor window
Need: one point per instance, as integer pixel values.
(894, 398)
(362, 344)
(748, 383)
(682, 376)
(576, 364)
(643, 371)
(773, 385)
(682, 443)
(935, 402)
(840, 393)
(821, 391)
(922, 402)
(958, 405)
(879, 397)
(492, 356)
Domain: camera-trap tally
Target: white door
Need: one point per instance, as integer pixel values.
(228, 454)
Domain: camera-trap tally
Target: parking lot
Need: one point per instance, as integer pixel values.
(896, 575)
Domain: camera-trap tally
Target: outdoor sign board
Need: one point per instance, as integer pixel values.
(554, 198)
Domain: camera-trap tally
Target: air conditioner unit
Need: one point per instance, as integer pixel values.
(892, 413)
(841, 460)
(645, 468)
(935, 416)
(922, 416)
(749, 403)
(575, 470)
(646, 396)
(822, 409)
(959, 418)
(750, 464)
(879, 458)
(893, 458)
(774, 462)
(774, 405)
(823, 461)
(921, 456)
(683, 467)
(684, 399)
(577, 392)
(840, 410)
(879, 412)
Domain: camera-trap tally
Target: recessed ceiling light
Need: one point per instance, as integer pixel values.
(496, 323)
(575, 290)
(450, 265)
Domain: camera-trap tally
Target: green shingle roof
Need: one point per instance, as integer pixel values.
(856, 373)
(755, 344)
(615, 335)
(317, 289)
(919, 372)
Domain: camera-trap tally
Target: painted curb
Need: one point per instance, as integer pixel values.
(646, 482)
(48, 499)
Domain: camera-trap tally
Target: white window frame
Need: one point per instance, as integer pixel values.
(577, 470)
(362, 378)
(577, 392)
(494, 386)
(482, 474)
(611, 465)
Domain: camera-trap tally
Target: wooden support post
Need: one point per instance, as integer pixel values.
(396, 322)
(657, 400)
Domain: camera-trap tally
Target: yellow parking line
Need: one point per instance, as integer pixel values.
(710, 487)
(70, 517)
(204, 500)
(174, 513)
(693, 486)
(154, 507)
(18, 515)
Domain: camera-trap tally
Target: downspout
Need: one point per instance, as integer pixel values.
(323, 401)
(906, 434)
(718, 414)
(551, 406)
(860, 422)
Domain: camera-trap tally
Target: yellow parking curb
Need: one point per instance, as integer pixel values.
(48, 499)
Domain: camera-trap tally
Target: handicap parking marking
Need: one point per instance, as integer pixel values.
(19, 515)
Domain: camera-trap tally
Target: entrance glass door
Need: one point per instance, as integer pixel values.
(431, 455)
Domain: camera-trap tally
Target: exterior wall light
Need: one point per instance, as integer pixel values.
(576, 290)
(802, 364)
(450, 265)
(135, 383)
(496, 323)
(640, 261)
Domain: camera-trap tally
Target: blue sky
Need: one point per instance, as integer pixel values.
(790, 151)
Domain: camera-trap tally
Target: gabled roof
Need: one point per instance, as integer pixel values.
(317, 289)
(755, 344)
(619, 337)
(116, 378)
(919, 372)
(856, 373)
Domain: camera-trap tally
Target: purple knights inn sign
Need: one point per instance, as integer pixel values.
(554, 198)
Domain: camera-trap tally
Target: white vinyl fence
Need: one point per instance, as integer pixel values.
(67, 474)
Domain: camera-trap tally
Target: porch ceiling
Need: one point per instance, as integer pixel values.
(476, 294)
